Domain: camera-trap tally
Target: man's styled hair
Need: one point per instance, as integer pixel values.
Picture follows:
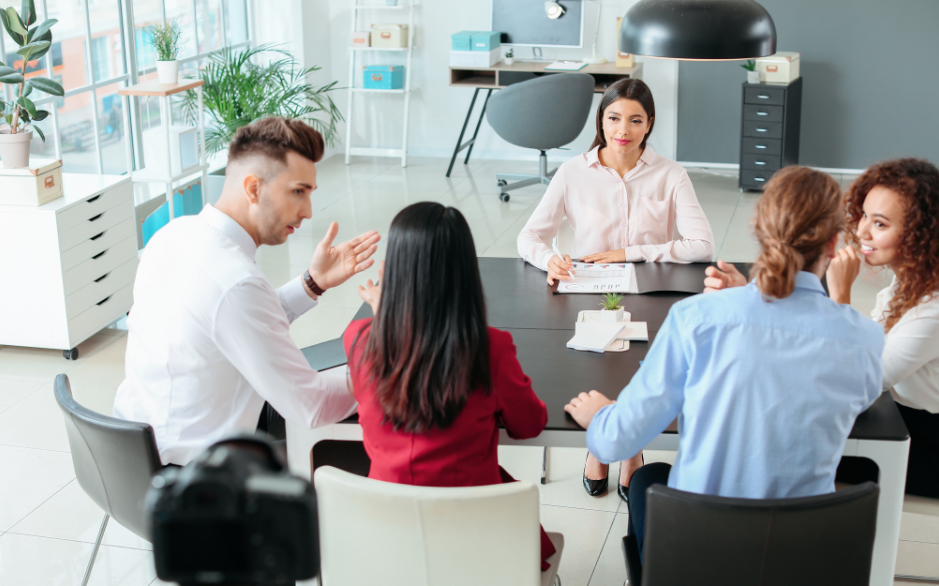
(273, 137)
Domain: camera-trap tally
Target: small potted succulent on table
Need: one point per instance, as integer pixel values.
(753, 76)
(509, 57)
(165, 40)
(21, 112)
(611, 312)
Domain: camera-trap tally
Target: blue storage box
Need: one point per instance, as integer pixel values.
(384, 77)
(486, 41)
(462, 41)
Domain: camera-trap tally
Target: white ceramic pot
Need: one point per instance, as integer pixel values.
(612, 315)
(509, 60)
(14, 148)
(168, 71)
(753, 77)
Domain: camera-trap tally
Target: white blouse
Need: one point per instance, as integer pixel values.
(911, 352)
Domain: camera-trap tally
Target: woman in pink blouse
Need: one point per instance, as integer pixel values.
(625, 204)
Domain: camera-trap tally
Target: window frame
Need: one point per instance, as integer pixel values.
(131, 75)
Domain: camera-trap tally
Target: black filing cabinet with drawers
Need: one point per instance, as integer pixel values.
(770, 131)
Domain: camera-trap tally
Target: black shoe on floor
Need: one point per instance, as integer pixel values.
(623, 492)
(595, 487)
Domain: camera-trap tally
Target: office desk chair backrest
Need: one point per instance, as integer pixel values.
(374, 532)
(543, 113)
(820, 540)
(114, 459)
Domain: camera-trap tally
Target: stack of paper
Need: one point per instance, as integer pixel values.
(594, 336)
(601, 278)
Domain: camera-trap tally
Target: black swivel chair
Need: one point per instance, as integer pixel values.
(543, 113)
(114, 462)
(824, 540)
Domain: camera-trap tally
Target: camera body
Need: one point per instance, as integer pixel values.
(234, 515)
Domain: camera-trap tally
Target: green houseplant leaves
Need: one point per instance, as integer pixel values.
(34, 43)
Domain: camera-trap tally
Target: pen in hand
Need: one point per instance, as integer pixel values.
(554, 248)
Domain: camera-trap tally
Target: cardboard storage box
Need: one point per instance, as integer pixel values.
(462, 41)
(389, 36)
(474, 58)
(360, 39)
(486, 41)
(782, 67)
(35, 185)
(384, 77)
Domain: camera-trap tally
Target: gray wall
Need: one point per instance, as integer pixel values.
(870, 85)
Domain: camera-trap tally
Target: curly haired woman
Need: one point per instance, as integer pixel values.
(895, 207)
(893, 221)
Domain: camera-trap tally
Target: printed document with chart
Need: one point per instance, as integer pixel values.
(601, 278)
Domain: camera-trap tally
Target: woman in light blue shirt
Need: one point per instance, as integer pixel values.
(766, 380)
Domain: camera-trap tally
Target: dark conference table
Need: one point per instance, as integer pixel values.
(541, 322)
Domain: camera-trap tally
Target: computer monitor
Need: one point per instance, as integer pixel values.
(525, 23)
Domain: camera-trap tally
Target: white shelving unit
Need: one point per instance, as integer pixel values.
(354, 64)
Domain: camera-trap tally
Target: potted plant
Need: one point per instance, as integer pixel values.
(509, 56)
(34, 42)
(753, 76)
(239, 91)
(611, 311)
(165, 40)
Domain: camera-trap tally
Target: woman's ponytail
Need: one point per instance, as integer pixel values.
(799, 213)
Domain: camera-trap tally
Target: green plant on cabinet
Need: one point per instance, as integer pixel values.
(165, 40)
(34, 42)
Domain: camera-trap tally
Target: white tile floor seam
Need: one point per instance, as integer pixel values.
(48, 524)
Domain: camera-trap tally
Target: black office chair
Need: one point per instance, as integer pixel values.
(543, 113)
(824, 540)
(114, 461)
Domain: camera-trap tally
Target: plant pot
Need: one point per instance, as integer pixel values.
(612, 315)
(168, 72)
(509, 60)
(753, 77)
(14, 148)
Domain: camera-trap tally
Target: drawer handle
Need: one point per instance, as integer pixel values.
(94, 199)
(762, 113)
(103, 301)
(757, 179)
(96, 217)
(759, 162)
(99, 255)
(758, 129)
(761, 146)
(98, 235)
(102, 277)
(762, 96)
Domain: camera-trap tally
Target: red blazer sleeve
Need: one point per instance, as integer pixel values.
(349, 337)
(523, 414)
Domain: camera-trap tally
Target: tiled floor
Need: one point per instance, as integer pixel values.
(48, 525)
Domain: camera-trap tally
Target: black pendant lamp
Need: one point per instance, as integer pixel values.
(698, 29)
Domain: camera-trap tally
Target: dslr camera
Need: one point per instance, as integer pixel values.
(234, 515)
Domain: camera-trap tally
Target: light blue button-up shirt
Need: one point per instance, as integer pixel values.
(765, 393)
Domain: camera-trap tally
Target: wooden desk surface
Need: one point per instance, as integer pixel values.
(501, 75)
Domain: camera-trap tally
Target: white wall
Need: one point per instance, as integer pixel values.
(321, 32)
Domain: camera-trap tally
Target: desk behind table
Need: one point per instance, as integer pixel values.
(541, 322)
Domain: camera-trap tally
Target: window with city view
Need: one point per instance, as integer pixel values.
(100, 46)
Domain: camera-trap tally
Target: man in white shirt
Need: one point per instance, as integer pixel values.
(208, 336)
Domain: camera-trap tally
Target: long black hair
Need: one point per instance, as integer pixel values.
(428, 347)
(630, 89)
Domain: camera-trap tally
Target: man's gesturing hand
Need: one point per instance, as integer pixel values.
(333, 265)
(724, 276)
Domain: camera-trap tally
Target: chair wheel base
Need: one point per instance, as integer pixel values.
(504, 196)
(502, 182)
(70, 354)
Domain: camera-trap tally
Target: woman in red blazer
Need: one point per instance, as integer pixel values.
(433, 382)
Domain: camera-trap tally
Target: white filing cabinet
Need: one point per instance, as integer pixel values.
(67, 268)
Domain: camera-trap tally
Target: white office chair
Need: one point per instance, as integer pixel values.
(374, 532)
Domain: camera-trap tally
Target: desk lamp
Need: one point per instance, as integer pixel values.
(554, 10)
(698, 29)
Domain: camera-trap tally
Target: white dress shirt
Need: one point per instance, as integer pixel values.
(209, 341)
(639, 212)
(911, 352)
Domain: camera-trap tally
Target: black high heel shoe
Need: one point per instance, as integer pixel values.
(595, 487)
(623, 491)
